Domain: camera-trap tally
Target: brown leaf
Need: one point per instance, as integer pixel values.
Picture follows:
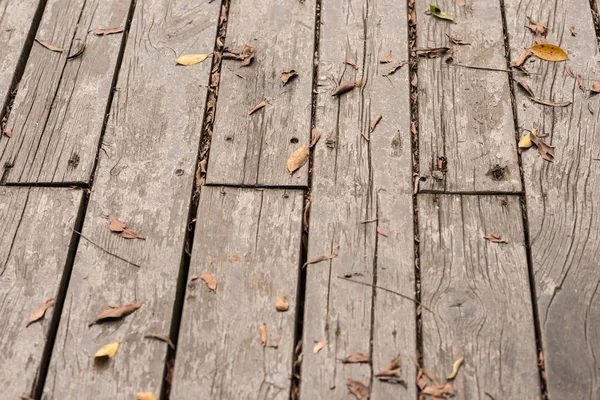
(421, 381)
(115, 224)
(356, 358)
(375, 122)
(210, 281)
(457, 41)
(49, 46)
(298, 159)
(368, 220)
(360, 391)
(358, 83)
(395, 67)
(551, 103)
(462, 3)
(386, 59)
(161, 337)
(526, 87)
(570, 71)
(448, 57)
(8, 132)
(352, 63)
(381, 231)
(286, 76)
(439, 390)
(365, 136)
(107, 31)
(319, 345)
(333, 255)
(263, 334)
(414, 80)
(546, 151)
(344, 87)
(572, 30)
(257, 107)
(525, 54)
(432, 52)
(590, 108)
(315, 136)
(495, 238)
(130, 234)
(281, 304)
(596, 87)
(39, 313)
(116, 312)
(580, 83)
(432, 376)
(537, 27)
(393, 368)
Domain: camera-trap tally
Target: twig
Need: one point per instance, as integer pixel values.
(386, 290)
(489, 395)
(495, 69)
(106, 251)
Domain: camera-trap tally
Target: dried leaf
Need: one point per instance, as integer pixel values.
(495, 238)
(580, 83)
(107, 31)
(536, 27)
(572, 30)
(209, 260)
(590, 108)
(356, 358)
(432, 376)
(368, 220)
(344, 87)
(145, 396)
(525, 54)
(462, 3)
(549, 52)
(569, 71)
(333, 255)
(546, 151)
(381, 231)
(436, 12)
(161, 337)
(458, 41)
(39, 313)
(8, 132)
(257, 107)
(360, 391)
(130, 234)
(432, 52)
(455, 368)
(319, 345)
(191, 59)
(448, 57)
(526, 87)
(210, 281)
(386, 59)
(297, 159)
(439, 390)
(596, 87)
(115, 224)
(79, 52)
(375, 122)
(352, 63)
(49, 46)
(315, 136)
(116, 312)
(421, 381)
(263, 334)
(525, 142)
(358, 83)
(108, 350)
(281, 304)
(286, 76)
(551, 103)
(395, 67)
(393, 368)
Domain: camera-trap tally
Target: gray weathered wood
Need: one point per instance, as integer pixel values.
(562, 200)
(253, 149)
(465, 115)
(60, 107)
(144, 178)
(356, 180)
(249, 240)
(36, 231)
(478, 292)
(16, 17)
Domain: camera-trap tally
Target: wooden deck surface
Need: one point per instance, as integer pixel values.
(415, 231)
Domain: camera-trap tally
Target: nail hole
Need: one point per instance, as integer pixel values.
(179, 172)
(294, 140)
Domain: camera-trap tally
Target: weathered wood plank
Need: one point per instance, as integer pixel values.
(57, 116)
(253, 149)
(250, 241)
(478, 294)
(356, 180)
(466, 127)
(36, 231)
(562, 204)
(16, 18)
(144, 178)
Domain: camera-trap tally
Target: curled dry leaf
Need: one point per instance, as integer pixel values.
(333, 255)
(130, 234)
(352, 63)
(79, 52)
(115, 224)
(549, 52)
(536, 27)
(360, 391)
(344, 87)
(455, 368)
(297, 159)
(572, 30)
(495, 238)
(262, 329)
(369, 220)
(395, 68)
(381, 231)
(315, 135)
(386, 59)
(580, 83)
(8, 132)
(39, 313)
(436, 12)
(432, 52)
(546, 151)
(191, 59)
(257, 107)
(107, 31)
(393, 368)
(319, 345)
(145, 396)
(161, 337)
(595, 87)
(569, 71)
(526, 87)
(551, 103)
(281, 304)
(49, 46)
(210, 281)
(116, 312)
(420, 380)
(590, 108)
(358, 83)
(108, 350)
(375, 122)
(457, 41)
(286, 76)
(525, 54)
(356, 358)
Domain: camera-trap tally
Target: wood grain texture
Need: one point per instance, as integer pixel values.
(36, 231)
(253, 149)
(356, 180)
(60, 107)
(465, 115)
(562, 201)
(249, 240)
(479, 295)
(145, 179)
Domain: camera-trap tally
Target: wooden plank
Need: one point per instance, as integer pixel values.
(356, 180)
(144, 178)
(57, 116)
(466, 125)
(36, 232)
(16, 18)
(479, 297)
(253, 149)
(561, 200)
(250, 241)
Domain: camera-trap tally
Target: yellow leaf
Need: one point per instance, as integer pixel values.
(525, 141)
(191, 59)
(455, 368)
(145, 396)
(549, 52)
(108, 350)
(298, 158)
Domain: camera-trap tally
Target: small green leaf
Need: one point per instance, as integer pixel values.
(436, 12)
